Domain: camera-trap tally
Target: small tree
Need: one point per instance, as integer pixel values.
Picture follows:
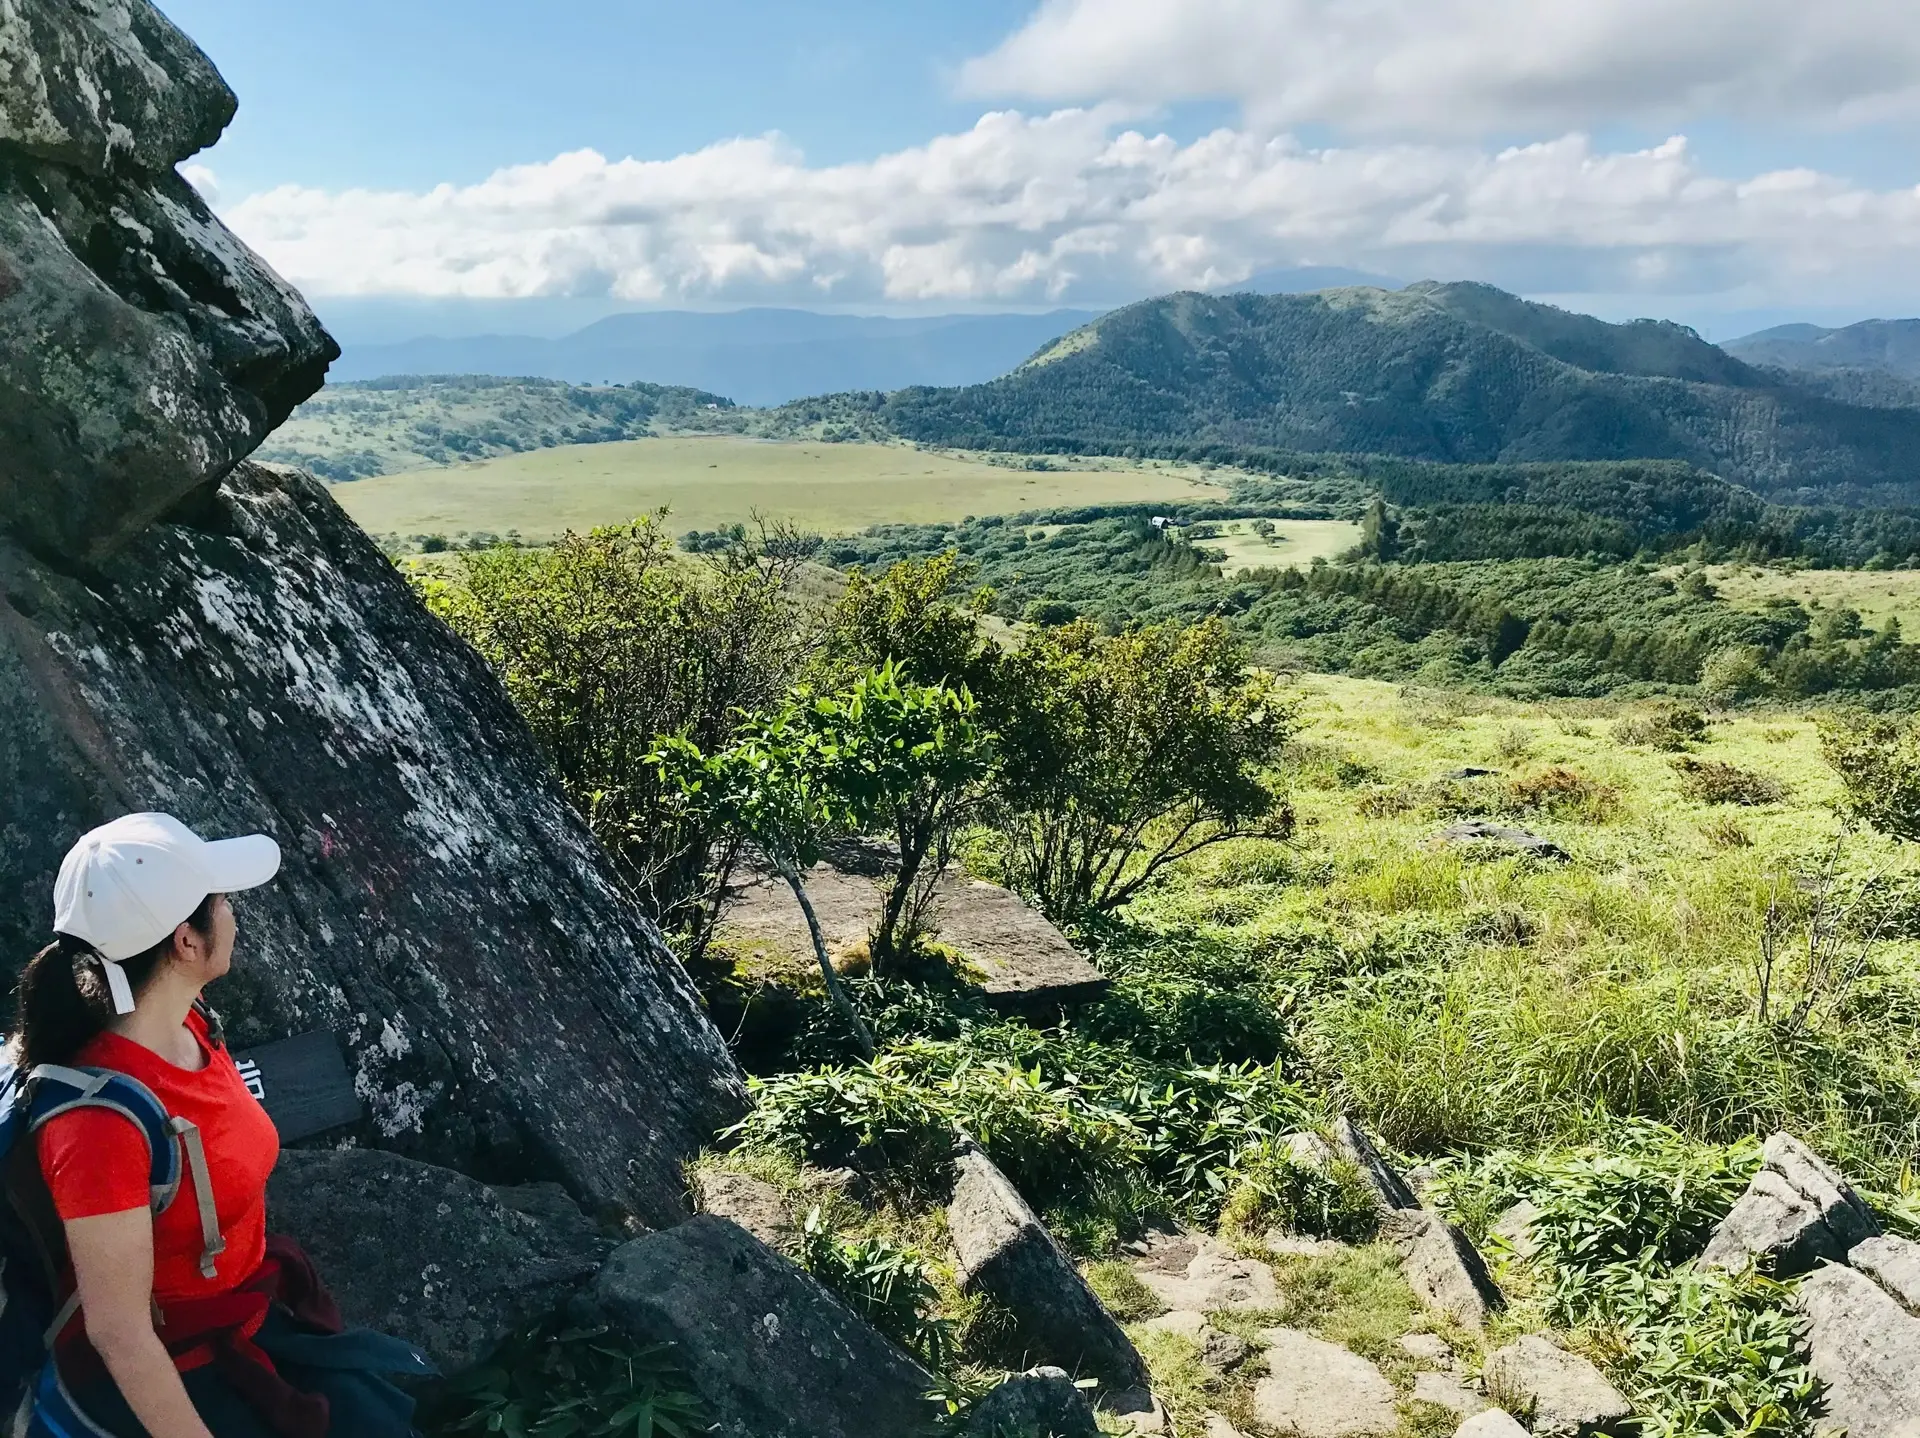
(911, 757)
(773, 786)
(1878, 760)
(1379, 532)
(914, 614)
(1121, 756)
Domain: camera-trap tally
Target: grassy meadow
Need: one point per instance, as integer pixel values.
(1294, 542)
(1876, 595)
(707, 482)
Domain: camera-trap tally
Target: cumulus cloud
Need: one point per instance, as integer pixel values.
(1075, 206)
(1459, 67)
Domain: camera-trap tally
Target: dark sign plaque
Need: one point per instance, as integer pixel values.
(303, 1083)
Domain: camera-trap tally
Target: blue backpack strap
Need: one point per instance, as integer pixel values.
(55, 1089)
(55, 1414)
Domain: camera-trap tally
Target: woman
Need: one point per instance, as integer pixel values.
(191, 1322)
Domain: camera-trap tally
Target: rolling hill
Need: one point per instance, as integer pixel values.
(1889, 345)
(1453, 373)
(757, 356)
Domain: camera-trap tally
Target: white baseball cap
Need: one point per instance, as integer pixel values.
(127, 885)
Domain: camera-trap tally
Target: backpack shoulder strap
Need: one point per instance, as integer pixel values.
(55, 1089)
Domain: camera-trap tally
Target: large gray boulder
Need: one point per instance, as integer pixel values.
(773, 1354)
(1006, 1253)
(144, 351)
(1042, 1402)
(1442, 1266)
(505, 1007)
(429, 1254)
(1865, 1348)
(1796, 1212)
(1559, 1393)
(1894, 1264)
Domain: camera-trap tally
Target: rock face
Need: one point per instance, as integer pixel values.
(1042, 1401)
(1007, 1253)
(1442, 1266)
(1390, 1191)
(1319, 1390)
(1894, 1264)
(754, 1205)
(1202, 1275)
(235, 651)
(429, 1254)
(143, 349)
(1560, 1392)
(259, 665)
(1865, 1347)
(1796, 1212)
(772, 1352)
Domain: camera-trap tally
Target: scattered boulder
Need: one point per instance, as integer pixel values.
(1445, 1390)
(1143, 1414)
(1894, 1264)
(1390, 1191)
(1202, 1274)
(1865, 1347)
(753, 1204)
(1514, 1230)
(1493, 1423)
(1041, 1401)
(1470, 771)
(1560, 1393)
(773, 1354)
(429, 1254)
(1318, 1389)
(1442, 1266)
(1221, 1352)
(1006, 1253)
(1796, 1212)
(1480, 836)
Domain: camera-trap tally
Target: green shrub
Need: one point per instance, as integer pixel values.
(1709, 781)
(1672, 727)
(1563, 793)
(885, 1283)
(1276, 1190)
(1878, 760)
(571, 1383)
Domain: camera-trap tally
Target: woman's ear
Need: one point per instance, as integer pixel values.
(190, 944)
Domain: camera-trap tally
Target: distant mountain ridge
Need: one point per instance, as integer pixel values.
(755, 356)
(1454, 373)
(1889, 345)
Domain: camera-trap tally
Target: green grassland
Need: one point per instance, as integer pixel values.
(1294, 542)
(706, 482)
(1876, 596)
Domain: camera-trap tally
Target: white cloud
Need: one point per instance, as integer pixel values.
(1073, 206)
(1472, 66)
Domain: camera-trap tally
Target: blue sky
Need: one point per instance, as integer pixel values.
(1716, 160)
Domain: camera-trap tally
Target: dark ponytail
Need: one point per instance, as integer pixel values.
(61, 1002)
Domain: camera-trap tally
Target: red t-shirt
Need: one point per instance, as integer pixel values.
(95, 1162)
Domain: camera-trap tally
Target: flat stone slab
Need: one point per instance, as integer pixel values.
(1219, 1351)
(1321, 1390)
(1866, 1348)
(1563, 1393)
(1024, 964)
(755, 1205)
(1428, 1348)
(1444, 1390)
(1476, 835)
(1894, 1264)
(1493, 1423)
(1203, 1275)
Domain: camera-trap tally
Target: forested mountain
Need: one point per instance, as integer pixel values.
(1453, 373)
(1889, 345)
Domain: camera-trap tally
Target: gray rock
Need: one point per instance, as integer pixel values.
(431, 1255)
(1214, 1425)
(1469, 771)
(772, 1352)
(1006, 1253)
(144, 350)
(1429, 1348)
(1442, 1266)
(1390, 1191)
(1219, 1351)
(1136, 1409)
(105, 87)
(1309, 1150)
(259, 665)
(1796, 1212)
(754, 1205)
(1478, 835)
(1493, 1423)
(1514, 1230)
(1042, 1402)
(1560, 1393)
(1894, 1264)
(1865, 1348)
(1320, 1390)
(1445, 1390)
(1212, 1280)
